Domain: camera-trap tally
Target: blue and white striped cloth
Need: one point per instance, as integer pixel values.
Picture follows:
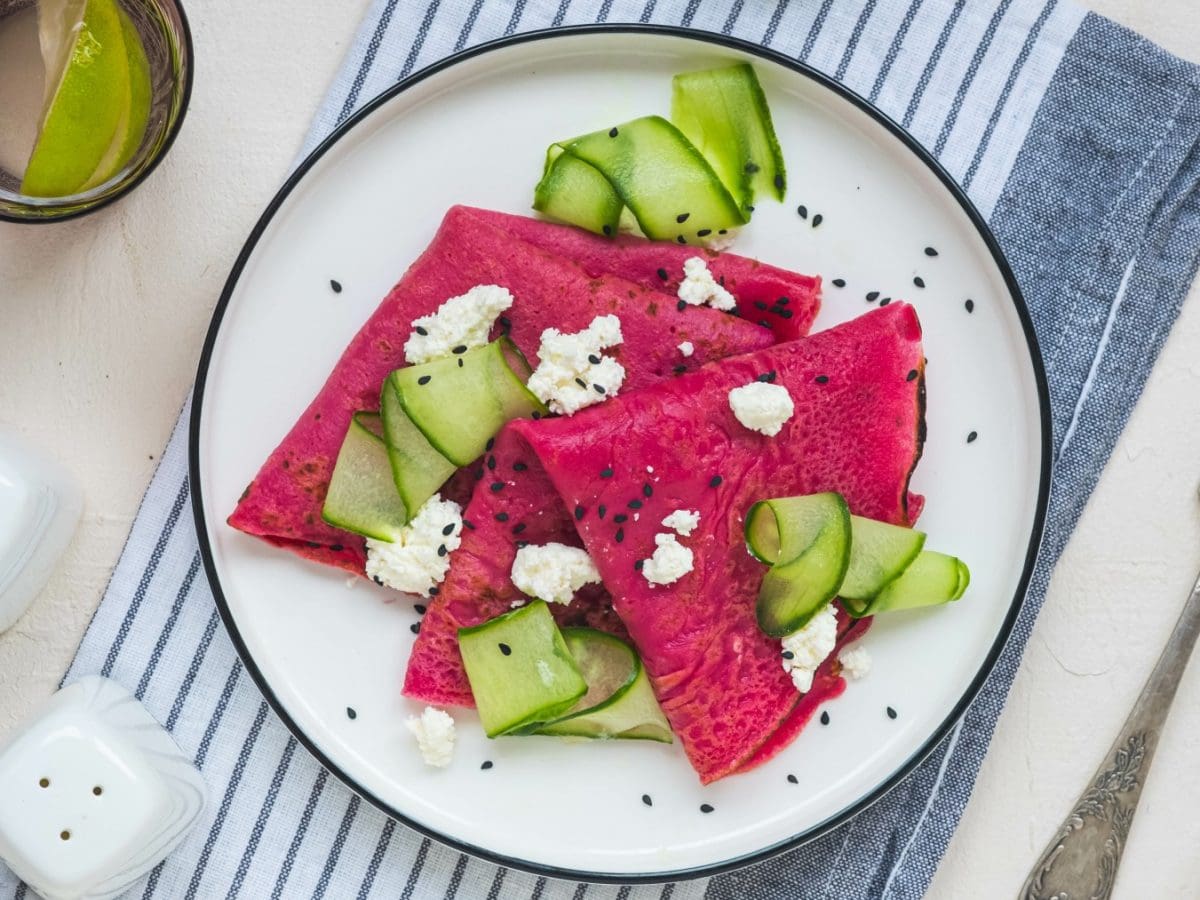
(1076, 138)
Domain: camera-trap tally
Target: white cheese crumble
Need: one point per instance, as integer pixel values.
(462, 321)
(806, 649)
(683, 520)
(761, 406)
(434, 731)
(699, 287)
(417, 562)
(720, 241)
(856, 662)
(553, 572)
(670, 562)
(572, 373)
(687, 348)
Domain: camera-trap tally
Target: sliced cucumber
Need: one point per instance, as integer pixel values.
(575, 192)
(619, 702)
(459, 407)
(520, 669)
(664, 180)
(361, 496)
(807, 542)
(724, 113)
(879, 554)
(932, 579)
(418, 469)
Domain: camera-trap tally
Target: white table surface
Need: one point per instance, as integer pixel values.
(101, 322)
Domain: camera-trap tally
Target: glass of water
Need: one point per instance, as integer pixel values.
(163, 30)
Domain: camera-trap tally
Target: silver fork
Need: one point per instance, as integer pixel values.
(1080, 863)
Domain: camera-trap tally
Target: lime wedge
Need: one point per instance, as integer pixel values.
(89, 102)
(132, 127)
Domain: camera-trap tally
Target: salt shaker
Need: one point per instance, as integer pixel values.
(39, 510)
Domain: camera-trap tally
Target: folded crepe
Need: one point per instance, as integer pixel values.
(536, 262)
(857, 429)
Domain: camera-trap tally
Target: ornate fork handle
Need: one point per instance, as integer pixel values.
(1081, 860)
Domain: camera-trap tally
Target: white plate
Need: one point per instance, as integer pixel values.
(475, 132)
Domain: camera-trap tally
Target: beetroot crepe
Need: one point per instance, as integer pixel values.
(857, 429)
(775, 298)
(283, 503)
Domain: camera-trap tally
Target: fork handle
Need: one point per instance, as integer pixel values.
(1080, 863)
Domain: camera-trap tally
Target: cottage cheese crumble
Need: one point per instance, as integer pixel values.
(670, 562)
(462, 321)
(553, 572)
(856, 662)
(572, 372)
(699, 287)
(687, 348)
(434, 731)
(806, 649)
(417, 562)
(761, 406)
(683, 520)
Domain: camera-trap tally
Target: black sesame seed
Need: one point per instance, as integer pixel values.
(377, 580)
(460, 363)
(607, 229)
(424, 379)
(822, 379)
(682, 217)
(785, 313)
(505, 322)
(580, 512)
(606, 473)
(662, 273)
(647, 490)
(646, 799)
(519, 527)
(885, 301)
(415, 627)
(442, 551)
(681, 305)
(758, 304)
(715, 481)
(613, 132)
(970, 305)
(929, 251)
(912, 374)
(461, 348)
(634, 504)
(599, 389)
(620, 517)
(788, 654)
(491, 442)
(581, 382)
(679, 370)
(336, 285)
(421, 608)
(336, 548)
(521, 544)
(681, 239)
(778, 182)
(637, 566)
(601, 510)
(501, 517)
(467, 523)
(825, 717)
(491, 462)
(817, 220)
(535, 415)
(891, 713)
(620, 535)
(421, 331)
(751, 168)
(351, 712)
(505, 649)
(839, 282)
(723, 231)
(972, 436)
(434, 591)
(593, 359)
(749, 208)
(519, 467)
(704, 232)
(783, 301)
(872, 296)
(497, 486)
(705, 808)
(768, 377)
(919, 281)
(487, 764)
(792, 779)
(449, 529)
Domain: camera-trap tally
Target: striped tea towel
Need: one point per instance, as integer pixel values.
(1076, 138)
